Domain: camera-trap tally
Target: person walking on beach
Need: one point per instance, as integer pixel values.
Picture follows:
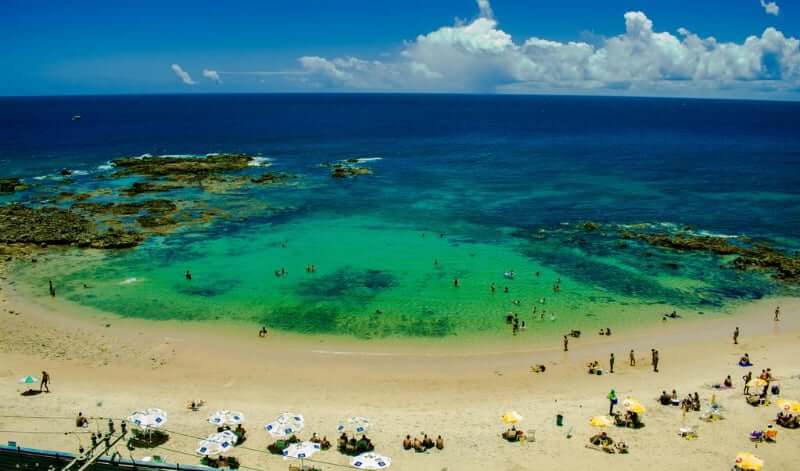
(633, 358)
(736, 336)
(52, 289)
(612, 401)
(655, 360)
(566, 344)
(777, 314)
(611, 363)
(45, 384)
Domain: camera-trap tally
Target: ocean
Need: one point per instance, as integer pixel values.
(464, 187)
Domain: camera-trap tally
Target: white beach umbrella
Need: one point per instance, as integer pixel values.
(224, 436)
(371, 461)
(149, 418)
(226, 417)
(285, 425)
(354, 425)
(301, 451)
(208, 448)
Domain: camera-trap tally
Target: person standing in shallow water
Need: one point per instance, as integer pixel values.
(455, 282)
(188, 275)
(566, 344)
(52, 289)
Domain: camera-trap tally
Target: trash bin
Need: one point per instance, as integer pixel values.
(559, 420)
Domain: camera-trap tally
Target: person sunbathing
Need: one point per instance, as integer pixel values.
(538, 368)
(665, 399)
(324, 444)
(621, 447)
(593, 367)
(81, 421)
(745, 360)
(439, 443)
(601, 439)
(418, 445)
(728, 383)
(408, 443)
(314, 438)
(240, 432)
(770, 435)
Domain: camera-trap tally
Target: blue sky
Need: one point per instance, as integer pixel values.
(522, 46)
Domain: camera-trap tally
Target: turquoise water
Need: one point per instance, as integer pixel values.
(479, 187)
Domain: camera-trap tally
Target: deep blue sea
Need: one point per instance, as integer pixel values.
(476, 168)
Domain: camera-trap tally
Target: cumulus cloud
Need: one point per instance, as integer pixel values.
(212, 75)
(486, 9)
(479, 56)
(771, 8)
(183, 75)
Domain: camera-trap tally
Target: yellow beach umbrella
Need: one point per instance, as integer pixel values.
(749, 462)
(511, 417)
(601, 421)
(756, 383)
(789, 406)
(633, 405)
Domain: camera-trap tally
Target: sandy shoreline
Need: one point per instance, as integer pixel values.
(458, 390)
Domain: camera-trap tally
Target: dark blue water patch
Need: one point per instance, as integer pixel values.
(207, 288)
(346, 284)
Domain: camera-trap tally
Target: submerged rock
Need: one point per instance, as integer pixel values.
(150, 187)
(11, 185)
(347, 171)
(270, 178)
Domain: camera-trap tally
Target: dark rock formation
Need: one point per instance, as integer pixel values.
(150, 187)
(12, 184)
(181, 167)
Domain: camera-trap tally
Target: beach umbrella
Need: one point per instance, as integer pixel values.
(209, 448)
(355, 424)
(371, 461)
(789, 406)
(28, 380)
(757, 383)
(148, 418)
(226, 417)
(749, 462)
(511, 417)
(601, 421)
(301, 451)
(632, 405)
(223, 437)
(285, 425)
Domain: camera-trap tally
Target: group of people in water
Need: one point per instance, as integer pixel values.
(422, 444)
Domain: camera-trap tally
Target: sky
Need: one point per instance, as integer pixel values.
(698, 48)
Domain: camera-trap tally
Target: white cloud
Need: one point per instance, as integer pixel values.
(479, 56)
(485, 8)
(212, 75)
(771, 8)
(183, 75)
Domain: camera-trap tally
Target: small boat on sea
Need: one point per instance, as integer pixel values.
(509, 275)
(76, 117)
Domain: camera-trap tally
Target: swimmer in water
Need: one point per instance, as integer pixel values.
(188, 275)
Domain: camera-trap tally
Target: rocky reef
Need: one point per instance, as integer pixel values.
(11, 185)
(748, 255)
(139, 188)
(47, 226)
(181, 168)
